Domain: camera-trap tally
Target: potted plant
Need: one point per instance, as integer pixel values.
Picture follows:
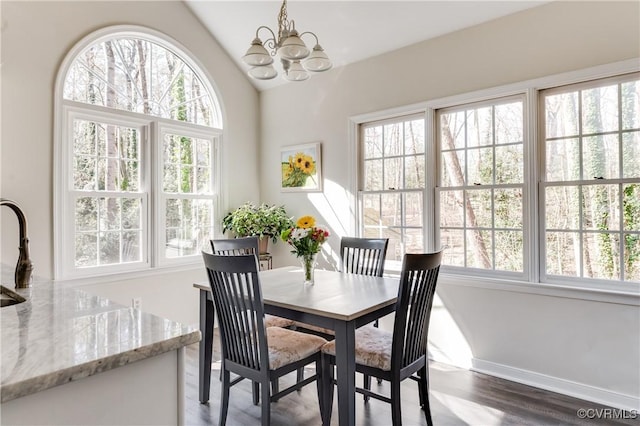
(264, 221)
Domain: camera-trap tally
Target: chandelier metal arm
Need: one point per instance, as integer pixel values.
(270, 43)
(313, 34)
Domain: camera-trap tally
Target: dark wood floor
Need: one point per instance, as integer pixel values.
(458, 397)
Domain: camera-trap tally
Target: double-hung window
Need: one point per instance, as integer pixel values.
(137, 167)
(547, 194)
(393, 182)
(591, 181)
(481, 192)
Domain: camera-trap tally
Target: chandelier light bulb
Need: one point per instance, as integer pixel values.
(296, 72)
(257, 55)
(293, 48)
(318, 61)
(265, 72)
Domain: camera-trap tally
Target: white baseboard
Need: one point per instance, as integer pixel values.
(555, 384)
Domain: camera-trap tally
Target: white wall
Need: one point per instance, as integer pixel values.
(35, 38)
(585, 348)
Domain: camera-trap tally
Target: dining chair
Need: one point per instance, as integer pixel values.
(363, 256)
(395, 356)
(249, 348)
(246, 245)
(249, 245)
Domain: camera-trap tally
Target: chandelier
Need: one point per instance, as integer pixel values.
(297, 61)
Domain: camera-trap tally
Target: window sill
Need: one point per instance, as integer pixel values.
(131, 275)
(630, 297)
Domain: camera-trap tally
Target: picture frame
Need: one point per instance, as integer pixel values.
(301, 168)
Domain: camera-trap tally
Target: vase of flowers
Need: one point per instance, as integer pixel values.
(306, 239)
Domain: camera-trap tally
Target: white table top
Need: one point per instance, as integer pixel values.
(334, 294)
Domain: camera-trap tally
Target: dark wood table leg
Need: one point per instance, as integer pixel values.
(206, 344)
(346, 365)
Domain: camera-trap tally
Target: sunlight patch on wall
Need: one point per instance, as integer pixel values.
(332, 205)
(446, 342)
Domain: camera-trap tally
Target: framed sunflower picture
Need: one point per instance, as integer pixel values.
(301, 169)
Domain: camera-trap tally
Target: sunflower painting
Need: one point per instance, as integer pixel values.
(300, 167)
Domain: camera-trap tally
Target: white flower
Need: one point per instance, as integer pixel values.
(299, 233)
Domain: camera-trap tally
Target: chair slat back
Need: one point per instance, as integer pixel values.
(235, 246)
(363, 256)
(237, 296)
(418, 281)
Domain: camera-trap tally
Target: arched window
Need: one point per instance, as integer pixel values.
(137, 174)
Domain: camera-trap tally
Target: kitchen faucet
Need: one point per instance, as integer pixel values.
(24, 266)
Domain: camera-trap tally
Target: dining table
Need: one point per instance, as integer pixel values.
(338, 301)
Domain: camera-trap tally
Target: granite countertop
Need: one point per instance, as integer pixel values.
(62, 334)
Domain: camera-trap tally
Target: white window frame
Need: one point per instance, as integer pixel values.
(160, 130)
(593, 283)
(357, 173)
(65, 223)
(151, 219)
(525, 185)
(531, 283)
(389, 263)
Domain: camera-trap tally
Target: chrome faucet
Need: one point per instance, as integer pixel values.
(24, 266)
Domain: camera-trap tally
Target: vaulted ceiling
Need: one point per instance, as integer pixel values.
(349, 31)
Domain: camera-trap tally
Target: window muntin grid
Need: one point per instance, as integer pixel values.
(392, 184)
(591, 181)
(481, 193)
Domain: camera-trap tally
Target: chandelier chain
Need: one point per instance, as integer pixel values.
(283, 24)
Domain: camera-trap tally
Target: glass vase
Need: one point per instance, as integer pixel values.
(308, 262)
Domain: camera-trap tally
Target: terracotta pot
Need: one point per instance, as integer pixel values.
(263, 245)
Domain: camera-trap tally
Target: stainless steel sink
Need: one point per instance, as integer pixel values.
(9, 297)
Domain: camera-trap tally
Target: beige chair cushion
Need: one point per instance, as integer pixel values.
(373, 347)
(299, 324)
(287, 346)
(274, 321)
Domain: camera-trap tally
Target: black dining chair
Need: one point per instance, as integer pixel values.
(363, 256)
(235, 246)
(249, 245)
(395, 356)
(246, 245)
(249, 348)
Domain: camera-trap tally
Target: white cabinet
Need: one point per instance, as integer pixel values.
(149, 391)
